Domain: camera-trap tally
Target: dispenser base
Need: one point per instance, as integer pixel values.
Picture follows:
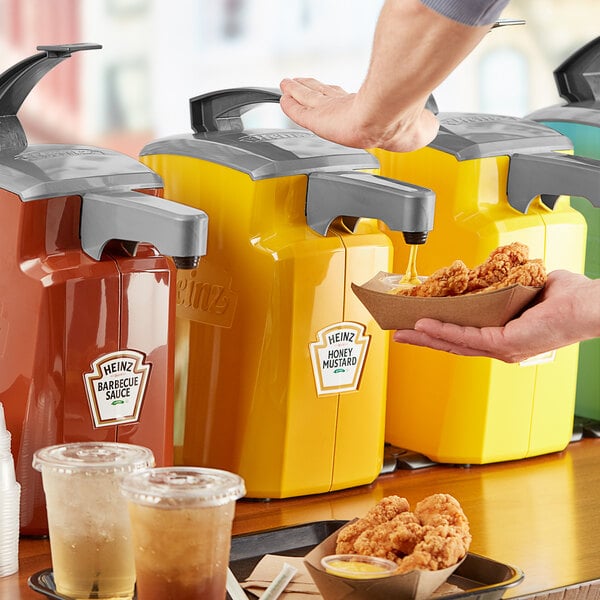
(584, 427)
(395, 458)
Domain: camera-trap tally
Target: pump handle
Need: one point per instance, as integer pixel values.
(16, 83)
(222, 110)
(578, 77)
(401, 206)
(550, 175)
(431, 104)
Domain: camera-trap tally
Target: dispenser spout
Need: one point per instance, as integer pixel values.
(16, 83)
(174, 229)
(402, 206)
(550, 175)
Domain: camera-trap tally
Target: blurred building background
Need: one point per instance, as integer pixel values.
(158, 53)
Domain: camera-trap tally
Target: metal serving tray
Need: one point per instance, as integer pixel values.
(478, 577)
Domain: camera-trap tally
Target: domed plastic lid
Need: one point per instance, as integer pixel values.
(93, 457)
(183, 487)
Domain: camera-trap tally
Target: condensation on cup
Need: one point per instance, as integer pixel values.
(181, 519)
(88, 523)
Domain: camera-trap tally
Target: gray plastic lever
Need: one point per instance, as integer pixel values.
(222, 110)
(174, 229)
(402, 206)
(578, 77)
(551, 175)
(16, 83)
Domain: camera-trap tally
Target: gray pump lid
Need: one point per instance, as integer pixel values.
(53, 170)
(220, 138)
(584, 113)
(474, 135)
(112, 207)
(265, 153)
(578, 82)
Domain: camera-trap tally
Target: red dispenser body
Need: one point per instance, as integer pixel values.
(86, 295)
(62, 310)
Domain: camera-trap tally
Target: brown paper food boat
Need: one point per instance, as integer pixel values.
(483, 309)
(415, 585)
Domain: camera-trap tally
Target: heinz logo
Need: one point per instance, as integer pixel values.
(58, 153)
(341, 336)
(275, 136)
(204, 295)
(115, 387)
(338, 357)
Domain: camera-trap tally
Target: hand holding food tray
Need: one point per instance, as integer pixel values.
(487, 296)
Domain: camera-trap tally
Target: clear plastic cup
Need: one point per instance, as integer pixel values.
(9, 529)
(181, 519)
(10, 492)
(88, 524)
(7, 472)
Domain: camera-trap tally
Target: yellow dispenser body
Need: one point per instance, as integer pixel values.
(467, 410)
(254, 322)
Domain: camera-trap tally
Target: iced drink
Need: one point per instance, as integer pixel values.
(181, 521)
(88, 522)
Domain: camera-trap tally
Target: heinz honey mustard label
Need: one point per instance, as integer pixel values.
(338, 357)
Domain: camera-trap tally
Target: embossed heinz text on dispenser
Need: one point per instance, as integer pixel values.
(86, 291)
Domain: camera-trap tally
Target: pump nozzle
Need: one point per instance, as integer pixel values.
(551, 175)
(174, 229)
(16, 83)
(402, 206)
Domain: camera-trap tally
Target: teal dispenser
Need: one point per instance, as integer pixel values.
(578, 82)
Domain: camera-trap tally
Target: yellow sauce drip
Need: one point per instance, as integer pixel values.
(410, 274)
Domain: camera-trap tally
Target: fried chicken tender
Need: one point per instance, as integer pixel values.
(382, 512)
(532, 273)
(448, 281)
(435, 536)
(498, 266)
(505, 266)
(389, 539)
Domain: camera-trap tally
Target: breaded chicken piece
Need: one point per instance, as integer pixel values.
(384, 511)
(390, 539)
(532, 273)
(448, 281)
(441, 509)
(498, 266)
(435, 536)
(505, 266)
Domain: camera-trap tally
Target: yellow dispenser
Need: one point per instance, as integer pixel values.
(281, 370)
(463, 410)
(578, 117)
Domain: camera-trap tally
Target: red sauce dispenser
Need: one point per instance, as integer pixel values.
(86, 291)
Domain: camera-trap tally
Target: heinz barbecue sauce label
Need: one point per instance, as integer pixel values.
(115, 387)
(338, 357)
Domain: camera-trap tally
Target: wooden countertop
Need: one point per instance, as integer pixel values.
(540, 514)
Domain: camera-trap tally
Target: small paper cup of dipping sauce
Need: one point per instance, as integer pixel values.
(355, 566)
(393, 283)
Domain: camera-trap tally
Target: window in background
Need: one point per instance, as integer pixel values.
(233, 19)
(498, 93)
(126, 107)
